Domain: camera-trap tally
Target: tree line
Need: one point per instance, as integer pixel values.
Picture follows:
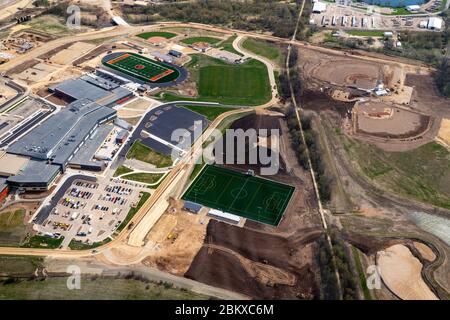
(277, 17)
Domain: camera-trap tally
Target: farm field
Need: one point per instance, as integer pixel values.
(93, 288)
(237, 193)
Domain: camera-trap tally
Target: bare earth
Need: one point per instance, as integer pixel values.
(400, 271)
(425, 251)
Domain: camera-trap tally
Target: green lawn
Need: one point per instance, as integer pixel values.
(132, 212)
(365, 33)
(210, 40)
(422, 174)
(122, 170)
(227, 45)
(140, 151)
(247, 84)
(146, 35)
(217, 81)
(78, 245)
(43, 242)
(143, 68)
(263, 48)
(210, 112)
(143, 177)
(55, 288)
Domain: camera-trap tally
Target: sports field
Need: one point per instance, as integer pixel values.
(143, 68)
(244, 195)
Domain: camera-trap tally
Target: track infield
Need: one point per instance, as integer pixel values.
(143, 68)
(244, 195)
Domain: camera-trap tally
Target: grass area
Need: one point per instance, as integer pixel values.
(19, 265)
(12, 228)
(140, 151)
(365, 33)
(192, 40)
(263, 48)
(227, 45)
(401, 11)
(43, 242)
(217, 81)
(210, 112)
(122, 170)
(144, 177)
(50, 24)
(146, 35)
(78, 245)
(197, 168)
(421, 174)
(362, 277)
(132, 212)
(55, 288)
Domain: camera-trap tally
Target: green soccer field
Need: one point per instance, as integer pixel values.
(143, 68)
(244, 195)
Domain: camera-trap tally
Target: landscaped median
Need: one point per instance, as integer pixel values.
(43, 242)
(133, 211)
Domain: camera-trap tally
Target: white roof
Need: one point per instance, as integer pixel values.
(435, 23)
(119, 21)
(413, 7)
(225, 215)
(319, 7)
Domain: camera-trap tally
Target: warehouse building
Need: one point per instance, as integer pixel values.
(435, 23)
(95, 88)
(319, 7)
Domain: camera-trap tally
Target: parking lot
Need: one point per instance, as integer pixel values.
(90, 211)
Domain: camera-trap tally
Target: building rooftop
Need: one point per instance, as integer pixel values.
(59, 136)
(36, 172)
(100, 90)
(11, 164)
(86, 153)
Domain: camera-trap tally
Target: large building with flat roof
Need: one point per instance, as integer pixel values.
(53, 144)
(95, 88)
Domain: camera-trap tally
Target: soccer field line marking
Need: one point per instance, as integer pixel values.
(253, 198)
(288, 197)
(235, 198)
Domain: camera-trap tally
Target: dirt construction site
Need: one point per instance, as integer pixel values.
(386, 103)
